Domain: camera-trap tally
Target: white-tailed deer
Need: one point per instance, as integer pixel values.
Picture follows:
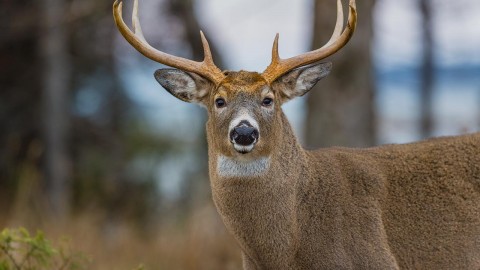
(413, 206)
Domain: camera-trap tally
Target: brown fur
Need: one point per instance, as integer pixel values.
(413, 206)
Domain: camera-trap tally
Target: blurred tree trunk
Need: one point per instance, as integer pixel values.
(99, 139)
(427, 70)
(341, 107)
(19, 95)
(185, 10)
(56, 76)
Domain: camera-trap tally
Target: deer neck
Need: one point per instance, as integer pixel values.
(257, 201)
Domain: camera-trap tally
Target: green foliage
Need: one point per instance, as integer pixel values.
(140, 267)
(21, 251)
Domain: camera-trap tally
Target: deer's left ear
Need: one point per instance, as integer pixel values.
(299, 81)
(185, 86)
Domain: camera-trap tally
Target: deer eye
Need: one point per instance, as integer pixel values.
(220, 102)
(267, 102)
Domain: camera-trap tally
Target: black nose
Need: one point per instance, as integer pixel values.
(244, 134)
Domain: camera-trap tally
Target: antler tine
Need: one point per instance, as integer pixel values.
(205, 68)
(275, 54)
(338, 25)
(279, 66)
(207, 53)
(137, 28)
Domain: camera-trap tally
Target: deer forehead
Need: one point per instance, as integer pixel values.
(242, 82)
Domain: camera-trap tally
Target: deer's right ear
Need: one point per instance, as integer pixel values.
(299, 81)
(185, 86)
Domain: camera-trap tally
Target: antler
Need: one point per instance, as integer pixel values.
(279, 66)
(206, 68)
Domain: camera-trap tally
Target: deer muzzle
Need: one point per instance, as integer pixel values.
(244, 136)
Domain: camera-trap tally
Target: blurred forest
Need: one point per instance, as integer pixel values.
(80, 157)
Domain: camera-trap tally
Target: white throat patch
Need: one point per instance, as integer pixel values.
(229, 167)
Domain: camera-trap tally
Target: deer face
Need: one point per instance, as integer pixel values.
(242, 113)
(244, 109)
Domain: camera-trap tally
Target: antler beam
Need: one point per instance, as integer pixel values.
(206, 68)
(279, 66)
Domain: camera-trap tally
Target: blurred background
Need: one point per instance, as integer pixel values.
(91, 147)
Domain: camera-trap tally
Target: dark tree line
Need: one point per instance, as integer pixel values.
(53, 53)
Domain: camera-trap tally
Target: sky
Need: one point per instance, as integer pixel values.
(456, 31)
(245, 29)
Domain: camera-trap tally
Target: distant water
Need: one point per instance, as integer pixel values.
(456, 102)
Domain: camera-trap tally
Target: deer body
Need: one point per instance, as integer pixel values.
(413, 206)
(377, 208)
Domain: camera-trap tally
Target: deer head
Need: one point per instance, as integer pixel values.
(244, 107)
